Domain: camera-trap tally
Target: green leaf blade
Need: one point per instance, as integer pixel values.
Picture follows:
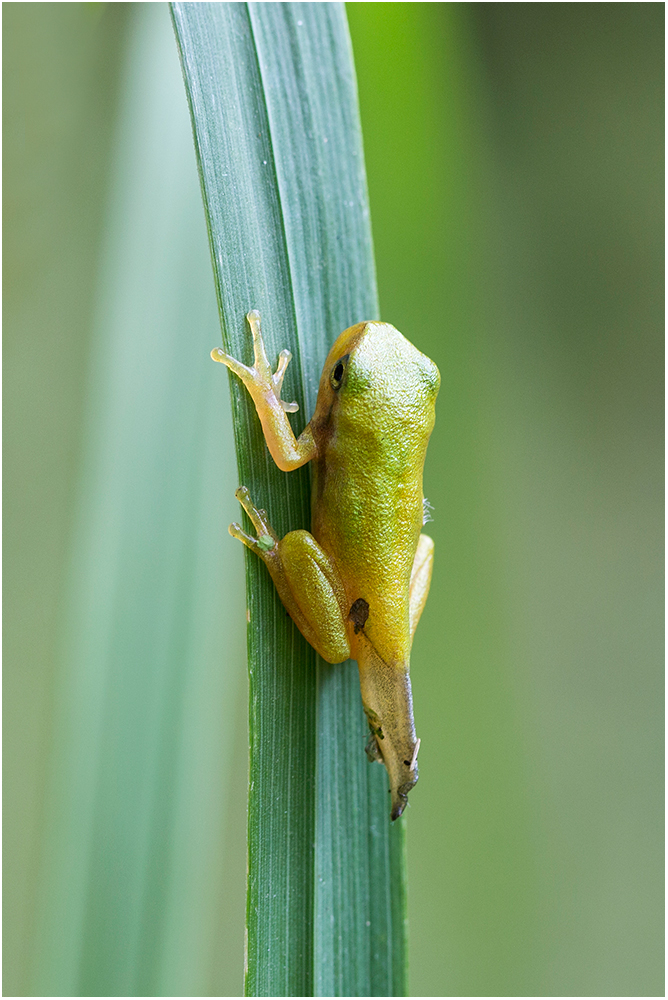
(274, 104)
(246, 236)
(360, 927)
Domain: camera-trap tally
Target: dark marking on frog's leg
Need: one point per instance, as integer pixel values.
(358, 614)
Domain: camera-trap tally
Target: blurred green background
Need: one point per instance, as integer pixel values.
(515, 164)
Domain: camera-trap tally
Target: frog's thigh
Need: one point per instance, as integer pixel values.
(420, 580)
(316, 600)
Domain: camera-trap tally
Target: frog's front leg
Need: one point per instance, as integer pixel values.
(265, 389)
(306, 580)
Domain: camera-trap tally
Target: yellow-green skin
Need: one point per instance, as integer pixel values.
(356, 584)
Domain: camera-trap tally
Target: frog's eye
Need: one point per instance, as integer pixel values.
(337, 373)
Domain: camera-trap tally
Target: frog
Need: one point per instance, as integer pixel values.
(357, 582)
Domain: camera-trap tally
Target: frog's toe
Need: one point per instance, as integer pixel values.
(238, 532)
(218, 354)
(261, 360)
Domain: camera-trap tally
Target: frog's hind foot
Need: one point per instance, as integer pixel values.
(372, 750)
(267, 539)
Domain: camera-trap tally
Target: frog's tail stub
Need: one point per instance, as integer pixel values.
(400, 792)
(388, 704)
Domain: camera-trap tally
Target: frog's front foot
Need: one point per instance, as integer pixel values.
(259, 380)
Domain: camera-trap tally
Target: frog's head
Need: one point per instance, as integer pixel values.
(373, 369)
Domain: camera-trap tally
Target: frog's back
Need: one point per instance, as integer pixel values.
(372, 424)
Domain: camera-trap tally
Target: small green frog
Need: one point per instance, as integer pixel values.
(357, 583)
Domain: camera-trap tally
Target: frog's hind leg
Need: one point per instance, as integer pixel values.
(420, 580)
(306, 580)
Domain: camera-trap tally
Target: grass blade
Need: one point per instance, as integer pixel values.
(274, 107)
(136, 805)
